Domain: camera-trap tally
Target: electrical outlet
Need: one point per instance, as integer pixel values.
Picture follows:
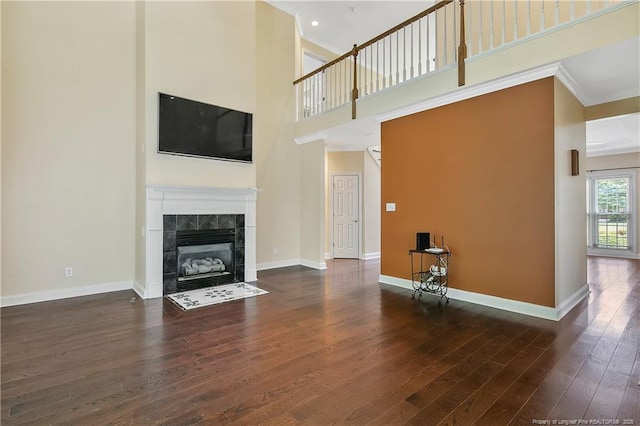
(275, 250)
(68, 272)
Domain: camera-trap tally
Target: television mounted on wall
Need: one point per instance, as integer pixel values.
(197, 129)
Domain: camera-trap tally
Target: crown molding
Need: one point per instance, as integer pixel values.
(480, 89)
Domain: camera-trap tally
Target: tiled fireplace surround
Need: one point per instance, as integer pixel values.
(206, 204)
(198, 222)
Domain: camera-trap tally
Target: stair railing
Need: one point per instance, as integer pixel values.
(404, 52)
(438, 37)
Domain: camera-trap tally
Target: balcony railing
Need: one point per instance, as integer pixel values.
(442, 36)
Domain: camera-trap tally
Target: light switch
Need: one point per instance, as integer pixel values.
(391, 207)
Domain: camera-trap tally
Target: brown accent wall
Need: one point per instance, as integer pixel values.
(481, 173)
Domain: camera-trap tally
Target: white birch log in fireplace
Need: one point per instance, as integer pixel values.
(202, 266)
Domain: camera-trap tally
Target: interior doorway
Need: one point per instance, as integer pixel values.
(346, 215)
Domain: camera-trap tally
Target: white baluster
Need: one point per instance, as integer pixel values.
(397, 57)
(557, 12)
(515, 20)
(588, 7)
(404, 54)
(419, 46)
(428, 42)
(377, 66)
(412, 37)
(470, 30)
(528, 17)
(572, 10)
(504, 23)
(371, 69)
(481, 30)
(446, 47)
(492, 29)
(455, 35)
(542, 23)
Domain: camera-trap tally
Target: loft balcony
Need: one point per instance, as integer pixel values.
(456, 50)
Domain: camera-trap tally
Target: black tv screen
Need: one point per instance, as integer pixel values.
(197, 129)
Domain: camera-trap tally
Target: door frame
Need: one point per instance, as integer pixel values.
(331, 177)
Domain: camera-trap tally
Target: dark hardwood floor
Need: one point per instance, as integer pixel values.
(324, 347)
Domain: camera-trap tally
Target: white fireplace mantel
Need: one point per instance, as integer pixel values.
(179, 200)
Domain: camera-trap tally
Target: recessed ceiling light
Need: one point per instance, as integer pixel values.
(315, 23)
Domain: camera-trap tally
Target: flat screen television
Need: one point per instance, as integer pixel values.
(197, 129)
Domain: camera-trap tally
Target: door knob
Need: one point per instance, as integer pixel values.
(355, 220)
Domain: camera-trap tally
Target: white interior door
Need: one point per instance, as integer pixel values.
(346, 216)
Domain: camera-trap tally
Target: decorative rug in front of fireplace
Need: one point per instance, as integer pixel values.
(213, 295)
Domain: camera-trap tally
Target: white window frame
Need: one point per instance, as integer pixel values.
(591, 208)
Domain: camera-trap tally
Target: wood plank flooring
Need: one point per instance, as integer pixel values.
(324, 347)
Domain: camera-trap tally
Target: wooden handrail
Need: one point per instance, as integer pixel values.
(405, 23)
(375, 39)
(324, 67)
(462, 50)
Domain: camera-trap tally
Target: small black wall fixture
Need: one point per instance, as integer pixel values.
(575, 162)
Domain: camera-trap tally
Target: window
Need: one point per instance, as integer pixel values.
(610, 210)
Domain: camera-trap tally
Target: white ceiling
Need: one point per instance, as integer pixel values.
(618, 135)
(602, 75)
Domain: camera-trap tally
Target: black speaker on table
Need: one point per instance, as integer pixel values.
(423, 240)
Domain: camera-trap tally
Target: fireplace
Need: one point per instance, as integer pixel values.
(190, 208)
(204, 258)
(202, 251)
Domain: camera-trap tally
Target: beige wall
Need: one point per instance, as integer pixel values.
(140, 144)
(278, 171)
(631, 161)
(312, 204)
(372, 206)
(0, 148)
(612, 109)
(570, 196)
(340, 161)
(207, 53)
(68, 170)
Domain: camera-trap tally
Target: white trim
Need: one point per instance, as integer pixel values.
(312, 264)
(570, 302)
(372, 255)
(554, 314)
(45, 296)
(301, 140)
(469, 92)
(327, 256)
(279, 264)
(169, 200)
(291, 262)
(591, 176)
(140, 289)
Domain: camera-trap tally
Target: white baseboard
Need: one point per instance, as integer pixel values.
(278, 264)
(327, 255)
(314, 265)
(372, 255)
(45, 296)
(554, 314)
(570, 302)
(291, 262)
(140, 290)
